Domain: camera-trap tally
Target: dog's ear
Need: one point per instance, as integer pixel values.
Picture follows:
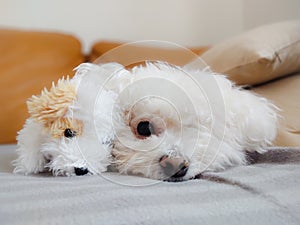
(52, 104)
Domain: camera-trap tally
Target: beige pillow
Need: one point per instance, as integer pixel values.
(258, 55)
(285, 94)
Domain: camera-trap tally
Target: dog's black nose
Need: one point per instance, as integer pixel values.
(174, 167)
(181, 172)
(79, 171)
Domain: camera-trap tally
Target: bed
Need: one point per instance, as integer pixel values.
(254, 194)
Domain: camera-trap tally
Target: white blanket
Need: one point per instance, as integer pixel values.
(254, 194)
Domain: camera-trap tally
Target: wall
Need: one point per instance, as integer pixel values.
(186, 22)
(257, 12)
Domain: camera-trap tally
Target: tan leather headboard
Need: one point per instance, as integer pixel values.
(132, 54)
(29, 61)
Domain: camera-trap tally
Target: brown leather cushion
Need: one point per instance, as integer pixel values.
(134, 54)
(285, 94)
(30, 61)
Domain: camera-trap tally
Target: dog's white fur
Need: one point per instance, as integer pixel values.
(212, 132)
(201, 117)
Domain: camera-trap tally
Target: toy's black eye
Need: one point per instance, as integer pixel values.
(145, 129)
(69, 133)
(80, 171)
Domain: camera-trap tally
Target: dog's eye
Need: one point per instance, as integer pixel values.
(69, 133)
(145, 129)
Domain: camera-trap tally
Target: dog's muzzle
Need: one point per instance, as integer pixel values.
(174, 167)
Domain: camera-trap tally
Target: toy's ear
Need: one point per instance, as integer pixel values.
(53, 104)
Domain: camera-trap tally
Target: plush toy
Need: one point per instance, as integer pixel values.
(69, 132)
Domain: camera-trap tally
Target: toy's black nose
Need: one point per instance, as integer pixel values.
(79, 171)
(174, 167)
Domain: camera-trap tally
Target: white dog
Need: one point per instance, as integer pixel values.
(158, 121)
(177, 123)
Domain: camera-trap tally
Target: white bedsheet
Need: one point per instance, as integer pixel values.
(255, 194)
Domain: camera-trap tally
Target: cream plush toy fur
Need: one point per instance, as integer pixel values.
(158, 121)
